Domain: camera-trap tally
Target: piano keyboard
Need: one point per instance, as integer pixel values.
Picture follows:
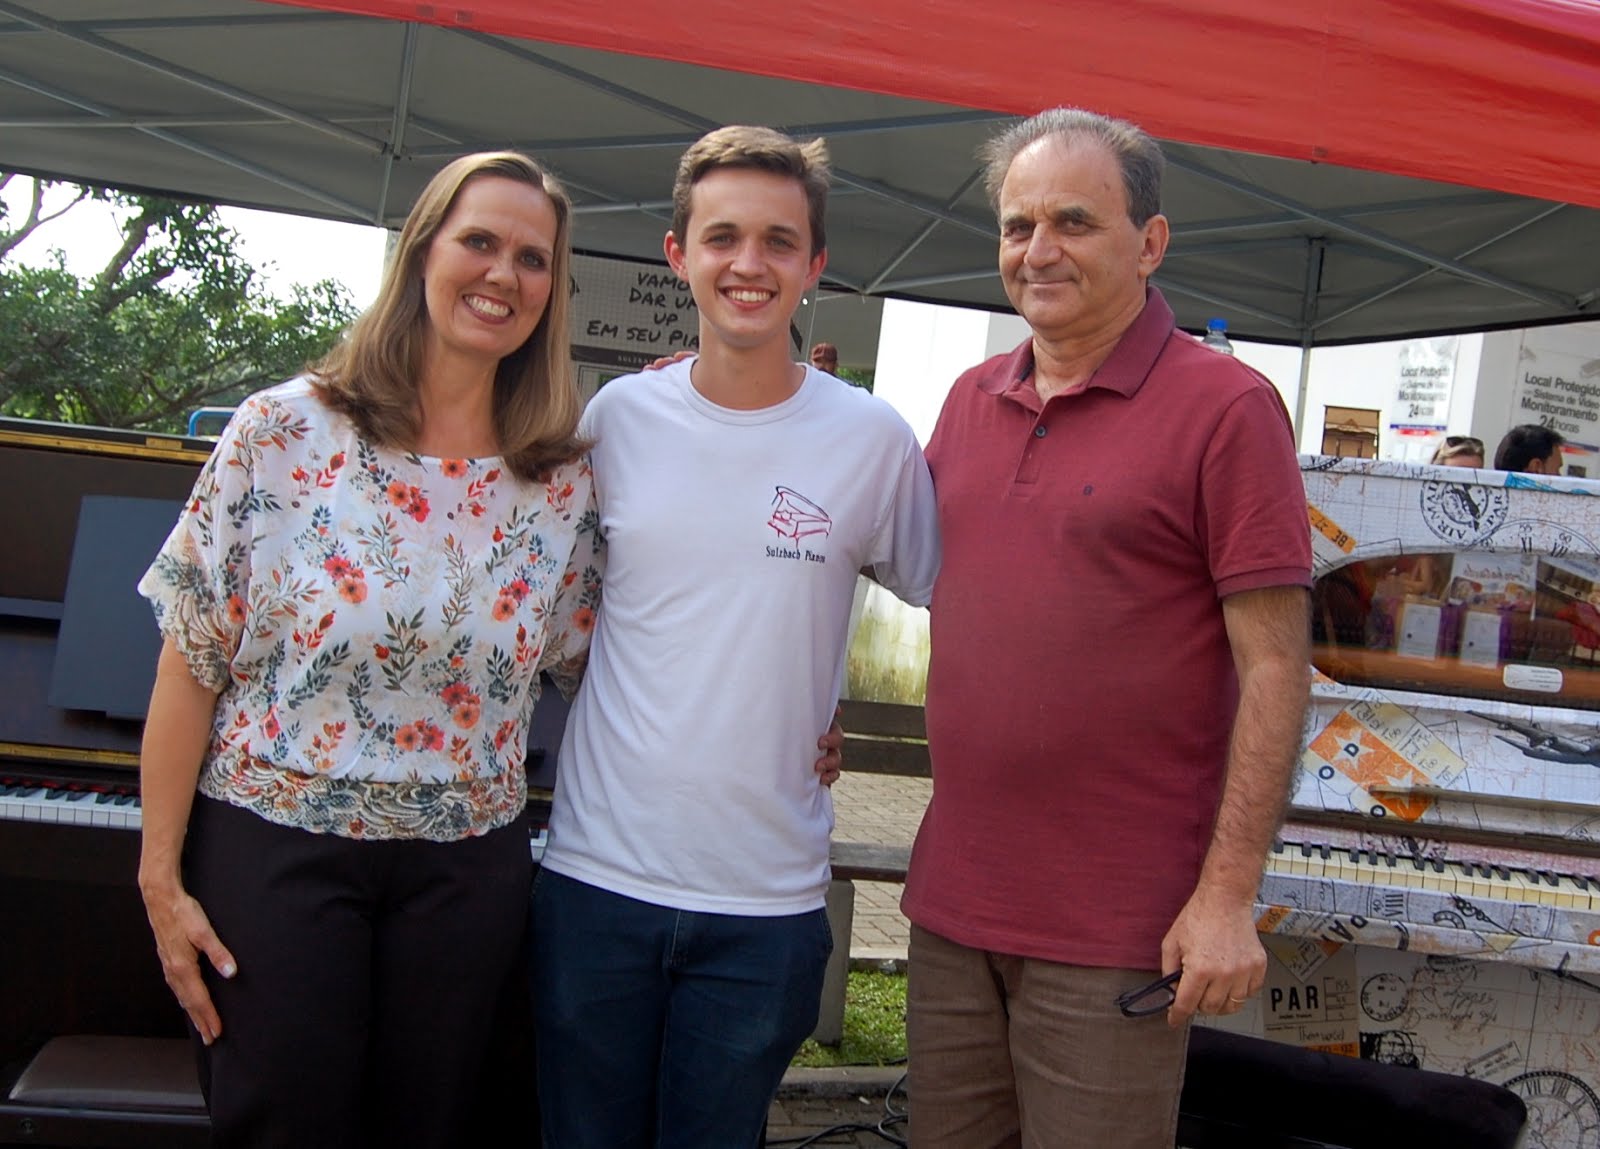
(1483, 909)
(1459, 878)
(101, 805)
(107, 806)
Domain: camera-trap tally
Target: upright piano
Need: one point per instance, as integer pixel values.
(75, 951)
(84, 511)
(1434, 900)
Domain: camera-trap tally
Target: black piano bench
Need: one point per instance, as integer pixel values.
(108, 1093)
(1250, 1093)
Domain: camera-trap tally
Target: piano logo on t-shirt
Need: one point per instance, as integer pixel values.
(796, 517)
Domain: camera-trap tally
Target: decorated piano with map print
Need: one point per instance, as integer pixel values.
(1434, 899)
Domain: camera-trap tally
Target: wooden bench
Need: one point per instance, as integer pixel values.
(879, 738)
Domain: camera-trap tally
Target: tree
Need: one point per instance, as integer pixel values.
(175, 320)
(861, 377)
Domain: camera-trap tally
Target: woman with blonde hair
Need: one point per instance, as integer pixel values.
(1458, 451)
(376, 563)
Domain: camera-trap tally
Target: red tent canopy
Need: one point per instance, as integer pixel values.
(1316, 149)
(1497, 94)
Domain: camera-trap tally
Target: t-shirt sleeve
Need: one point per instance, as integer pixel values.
(905, 555)
(577, 601)
(1252, 505)
(199, 583)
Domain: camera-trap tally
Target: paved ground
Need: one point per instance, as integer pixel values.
(800, 1121)
(867, 808)
(886, 810)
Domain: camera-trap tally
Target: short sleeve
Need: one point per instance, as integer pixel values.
(1252, 504)
(199, 583)
(577, 600)
(905, 556)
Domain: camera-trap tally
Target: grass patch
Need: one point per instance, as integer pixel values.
(874, 1024)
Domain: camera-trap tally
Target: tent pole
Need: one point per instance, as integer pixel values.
(1300, 393)
(1316, 249)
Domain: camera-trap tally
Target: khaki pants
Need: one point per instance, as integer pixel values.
(1018, 1053)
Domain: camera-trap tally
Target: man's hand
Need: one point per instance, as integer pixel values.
(832, 746)
(1214, 942)
(668, 360)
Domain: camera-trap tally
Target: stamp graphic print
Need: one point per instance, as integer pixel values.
(1463, 513)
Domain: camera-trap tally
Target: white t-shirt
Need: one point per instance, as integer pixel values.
(734, 542)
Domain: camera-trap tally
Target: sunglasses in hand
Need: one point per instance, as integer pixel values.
(1150, 999)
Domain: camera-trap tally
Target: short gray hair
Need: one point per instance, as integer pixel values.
(1136, 154)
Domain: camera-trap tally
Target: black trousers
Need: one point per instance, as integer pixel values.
(369, 976)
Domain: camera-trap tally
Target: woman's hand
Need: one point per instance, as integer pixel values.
(183, 933)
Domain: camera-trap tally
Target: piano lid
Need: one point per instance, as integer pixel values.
(113, 441)
(62, 469)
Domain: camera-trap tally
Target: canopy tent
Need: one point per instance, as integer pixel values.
(1338, 171)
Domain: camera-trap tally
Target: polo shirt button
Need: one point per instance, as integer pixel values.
(1039, 432)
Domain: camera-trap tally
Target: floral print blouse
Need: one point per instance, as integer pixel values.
(374, 621)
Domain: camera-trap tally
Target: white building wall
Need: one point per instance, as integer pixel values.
(922, 348)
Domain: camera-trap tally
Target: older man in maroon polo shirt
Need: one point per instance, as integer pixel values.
(1118, 675)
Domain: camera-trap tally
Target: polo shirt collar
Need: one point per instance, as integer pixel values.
(1128, 365)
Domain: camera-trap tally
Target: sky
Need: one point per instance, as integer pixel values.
(287, 249)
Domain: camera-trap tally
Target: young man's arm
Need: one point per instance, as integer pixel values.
(906, 554)
(1214, 938)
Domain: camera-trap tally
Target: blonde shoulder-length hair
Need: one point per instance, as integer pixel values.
(371, 376)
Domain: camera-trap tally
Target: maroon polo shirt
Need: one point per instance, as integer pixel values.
(1081, 690)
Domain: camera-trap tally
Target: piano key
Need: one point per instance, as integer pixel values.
(1465, 879)
(62, 806)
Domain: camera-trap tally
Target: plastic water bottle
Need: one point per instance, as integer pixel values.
(1216, 336)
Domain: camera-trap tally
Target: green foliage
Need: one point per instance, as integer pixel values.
(874, 1024)
(857, 376)
(175, 320)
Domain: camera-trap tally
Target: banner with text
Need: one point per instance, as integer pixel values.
(626, 314)
(1427, 372)
(1558, 386)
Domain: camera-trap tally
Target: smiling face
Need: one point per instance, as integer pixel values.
(486, 277)
(746, 253)
(1072, 261)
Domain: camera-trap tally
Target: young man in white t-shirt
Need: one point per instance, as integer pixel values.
(678, 931)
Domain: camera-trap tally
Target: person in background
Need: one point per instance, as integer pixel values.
(376, 563)
(679, 936)
(1530, 449)
(1117, 681)
(1458, 451)
(825, 357)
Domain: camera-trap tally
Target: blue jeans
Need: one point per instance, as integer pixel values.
(661, 1028)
